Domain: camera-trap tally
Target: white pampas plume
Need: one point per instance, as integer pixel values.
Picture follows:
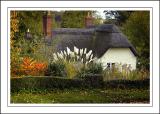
(88, 54)
(90, 60)
(55, 57)
(78, 57)
(60, 55)
(95, 59)
(85, 50)
(91, 57)
(82, 60)
(68, 51)
(86, 62)
(57, 54)
(72, 54)
(76, 50)
(81, 52)
(65, 54)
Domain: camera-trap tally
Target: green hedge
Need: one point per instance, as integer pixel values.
(127, 84)
(43, 82)
(48, 82)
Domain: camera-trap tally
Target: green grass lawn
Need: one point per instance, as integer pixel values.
(82, 96)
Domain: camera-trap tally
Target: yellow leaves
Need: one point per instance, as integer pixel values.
(14, 24)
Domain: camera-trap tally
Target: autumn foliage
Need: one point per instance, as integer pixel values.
(32, 67)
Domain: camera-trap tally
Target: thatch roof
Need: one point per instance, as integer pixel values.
(98, 39)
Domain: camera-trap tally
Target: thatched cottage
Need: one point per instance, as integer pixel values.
(107, 42)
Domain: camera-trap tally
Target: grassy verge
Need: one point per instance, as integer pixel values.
(82, 96)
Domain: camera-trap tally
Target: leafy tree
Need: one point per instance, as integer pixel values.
(57, 19)
(73, 19)
(138, 31)
(112, 17)
(97, 18)
(31, 20)
(123, 16)
(20, 47)
(117, 17)
(15, 51)
(76, 19)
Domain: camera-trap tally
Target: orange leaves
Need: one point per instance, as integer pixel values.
(14, 23)
(40, 66)
(30, 66)
(28, 63)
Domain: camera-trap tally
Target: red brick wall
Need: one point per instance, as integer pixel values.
(88, 21)
(47, 25)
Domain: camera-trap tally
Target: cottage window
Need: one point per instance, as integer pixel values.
(108, 65)
(111, 65)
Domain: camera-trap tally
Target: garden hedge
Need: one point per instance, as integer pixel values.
(50, 82)
(127, 84)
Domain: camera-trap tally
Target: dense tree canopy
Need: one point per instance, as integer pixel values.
(31, 20)
(117, 17)
(137, 28)
(76, 19)
(73, 19)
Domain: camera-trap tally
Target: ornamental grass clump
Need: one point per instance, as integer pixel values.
(116, 74)
(74, 61)
(77, 55)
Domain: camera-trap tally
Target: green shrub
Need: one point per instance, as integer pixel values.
(56, 69)
(72, 69)
(92, 68)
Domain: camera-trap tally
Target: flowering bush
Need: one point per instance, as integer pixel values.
(30, 66)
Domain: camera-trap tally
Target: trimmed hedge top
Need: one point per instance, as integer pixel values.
(49, 82)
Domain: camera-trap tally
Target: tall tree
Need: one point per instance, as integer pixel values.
(73, 19)
(137, 28)
(76, 19)
(117, 17)
(31, 20)
(15, 51)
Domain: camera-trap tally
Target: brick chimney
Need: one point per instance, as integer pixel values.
(47, 25)
(89, 20)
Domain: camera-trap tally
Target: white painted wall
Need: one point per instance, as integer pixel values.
(118, 55)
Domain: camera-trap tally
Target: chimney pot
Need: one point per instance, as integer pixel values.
(88, 20)
(47, 25)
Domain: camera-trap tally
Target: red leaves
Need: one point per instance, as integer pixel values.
(30, 66)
